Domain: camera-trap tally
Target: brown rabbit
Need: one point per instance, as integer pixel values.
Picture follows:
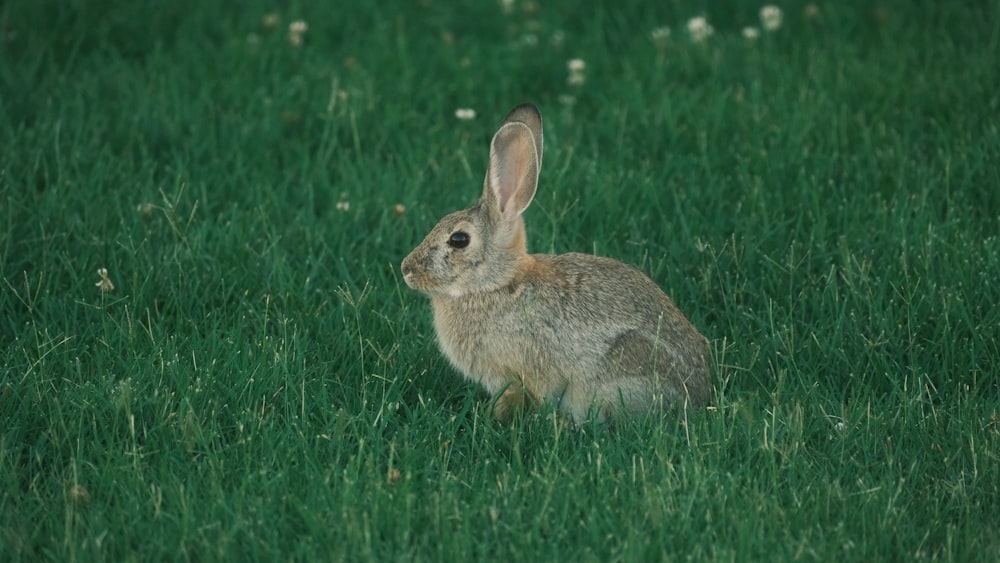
(581, 331)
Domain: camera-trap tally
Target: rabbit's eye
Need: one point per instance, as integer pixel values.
(459, 239)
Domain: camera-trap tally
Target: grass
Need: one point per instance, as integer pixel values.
(822, 202)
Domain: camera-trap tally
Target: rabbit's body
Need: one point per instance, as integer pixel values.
(572, 337)
(581, 331)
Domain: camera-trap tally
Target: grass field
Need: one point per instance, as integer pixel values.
(822, 201)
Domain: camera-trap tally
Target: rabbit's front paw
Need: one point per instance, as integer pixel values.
(514, 398)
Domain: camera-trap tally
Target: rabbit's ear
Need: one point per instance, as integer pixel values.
(528, 114)
(515, 158)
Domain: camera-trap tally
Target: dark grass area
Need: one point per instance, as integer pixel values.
(823, 202)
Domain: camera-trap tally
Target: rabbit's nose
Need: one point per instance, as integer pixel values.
(408, 267)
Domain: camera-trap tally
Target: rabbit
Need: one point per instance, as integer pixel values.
(590, 334)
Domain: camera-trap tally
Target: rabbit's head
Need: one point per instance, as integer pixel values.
(477, 249)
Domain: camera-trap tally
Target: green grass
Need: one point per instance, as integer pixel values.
(824, 203)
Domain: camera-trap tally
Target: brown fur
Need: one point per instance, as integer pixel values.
(582, 331)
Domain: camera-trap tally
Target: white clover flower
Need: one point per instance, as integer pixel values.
(296, 30)
(770, 17)
(343, 206)
(270, 20)
(660, 35)
(751, 33)
(105, 284)
(699, 29)
(465, 114)
(577, 75)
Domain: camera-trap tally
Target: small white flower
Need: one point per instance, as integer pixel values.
(270, 20)
(699, 29)
(343, 206)
(770, 17)
(751, 33)
(660, 35)
(577, 68)
(105, 284)
(465, 114)
(567, 99)
(296, 30)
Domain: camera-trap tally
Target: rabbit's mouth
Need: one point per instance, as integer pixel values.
(410, 277)
(411, 280)
(417, 278)
(429, 287)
